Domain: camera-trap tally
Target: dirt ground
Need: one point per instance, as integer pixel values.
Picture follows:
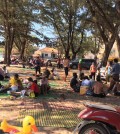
(9, 109)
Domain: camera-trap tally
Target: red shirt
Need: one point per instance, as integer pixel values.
(34, 87)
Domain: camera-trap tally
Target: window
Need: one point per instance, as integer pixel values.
(46, 55)
(53, 55)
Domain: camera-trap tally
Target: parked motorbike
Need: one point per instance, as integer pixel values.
(98, 119)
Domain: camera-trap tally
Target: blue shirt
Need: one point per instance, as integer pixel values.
(116, 69)
(85, 82)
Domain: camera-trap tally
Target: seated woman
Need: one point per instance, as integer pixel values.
(13, 80)
(74, 84)
(44, 85)
(33, 87)
(98, 89)
(13, 85)
(18, 89)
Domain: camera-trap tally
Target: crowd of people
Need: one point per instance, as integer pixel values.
(26, 87)
(90, 84)
(93, 85)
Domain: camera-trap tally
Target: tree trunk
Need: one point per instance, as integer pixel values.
(66, 53)
(107, 51)
(5, 56)
(8, 55)
(118, 45)
(74, 56)
(22, 50)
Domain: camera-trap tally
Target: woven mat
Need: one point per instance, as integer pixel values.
(49, 118)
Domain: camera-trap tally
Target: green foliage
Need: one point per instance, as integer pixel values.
(68, 19)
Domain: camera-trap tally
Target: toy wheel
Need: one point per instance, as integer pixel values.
(93, 129)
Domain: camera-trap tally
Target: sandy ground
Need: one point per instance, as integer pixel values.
(9, 109)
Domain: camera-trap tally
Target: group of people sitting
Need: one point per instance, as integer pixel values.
(88, 86)
(31, 87)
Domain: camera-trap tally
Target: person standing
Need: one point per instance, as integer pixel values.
(93, 70)
(37, 64)
(66, 66)
(115, 74)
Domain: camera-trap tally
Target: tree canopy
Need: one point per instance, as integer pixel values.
(76, 24)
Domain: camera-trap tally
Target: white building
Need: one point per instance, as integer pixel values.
(46, 53)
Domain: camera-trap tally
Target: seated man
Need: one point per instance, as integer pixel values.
(85, 85)
(98, 89)
(74, 84)
(85, 81)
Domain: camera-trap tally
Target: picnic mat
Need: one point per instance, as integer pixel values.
(5, 82)
(4, 95)
(47, 118)
(53, 84)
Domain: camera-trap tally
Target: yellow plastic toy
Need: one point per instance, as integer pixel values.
(28, 126)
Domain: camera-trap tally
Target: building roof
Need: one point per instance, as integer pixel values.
(47, 50)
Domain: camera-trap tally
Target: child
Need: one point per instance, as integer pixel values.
(33, 87)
